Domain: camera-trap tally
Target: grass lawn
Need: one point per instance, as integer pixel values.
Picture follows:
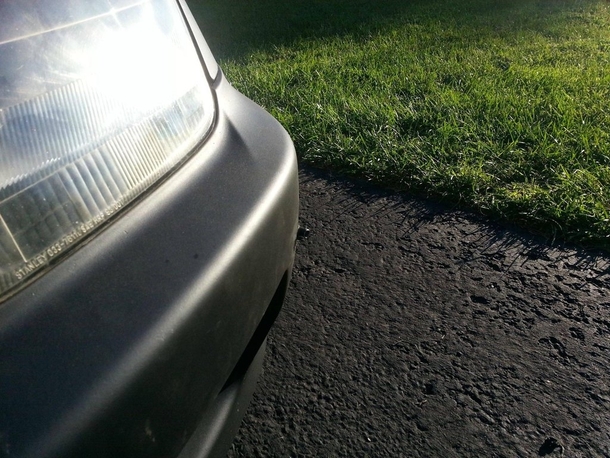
(501, 106)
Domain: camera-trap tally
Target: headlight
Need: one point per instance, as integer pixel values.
(98, 100)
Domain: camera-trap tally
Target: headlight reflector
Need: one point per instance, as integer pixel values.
(96, 104)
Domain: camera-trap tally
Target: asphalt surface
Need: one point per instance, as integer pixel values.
(414, 330)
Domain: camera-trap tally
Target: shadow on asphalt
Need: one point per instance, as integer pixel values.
(494, 238)
(412, 329)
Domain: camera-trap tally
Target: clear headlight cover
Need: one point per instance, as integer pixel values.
(98, 100)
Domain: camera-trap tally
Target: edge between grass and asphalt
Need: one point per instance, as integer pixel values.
(498, 106)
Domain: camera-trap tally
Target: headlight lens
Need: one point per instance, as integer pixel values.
(98, 100)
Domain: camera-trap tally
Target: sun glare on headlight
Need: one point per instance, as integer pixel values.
(103, 107)
(141, 68)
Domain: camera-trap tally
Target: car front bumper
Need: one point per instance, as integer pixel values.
(146, 341)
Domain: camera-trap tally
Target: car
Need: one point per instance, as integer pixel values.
(148, 221)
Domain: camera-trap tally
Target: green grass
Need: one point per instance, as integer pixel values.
(500, 106)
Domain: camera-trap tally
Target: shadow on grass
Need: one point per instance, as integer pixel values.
(236, 28)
